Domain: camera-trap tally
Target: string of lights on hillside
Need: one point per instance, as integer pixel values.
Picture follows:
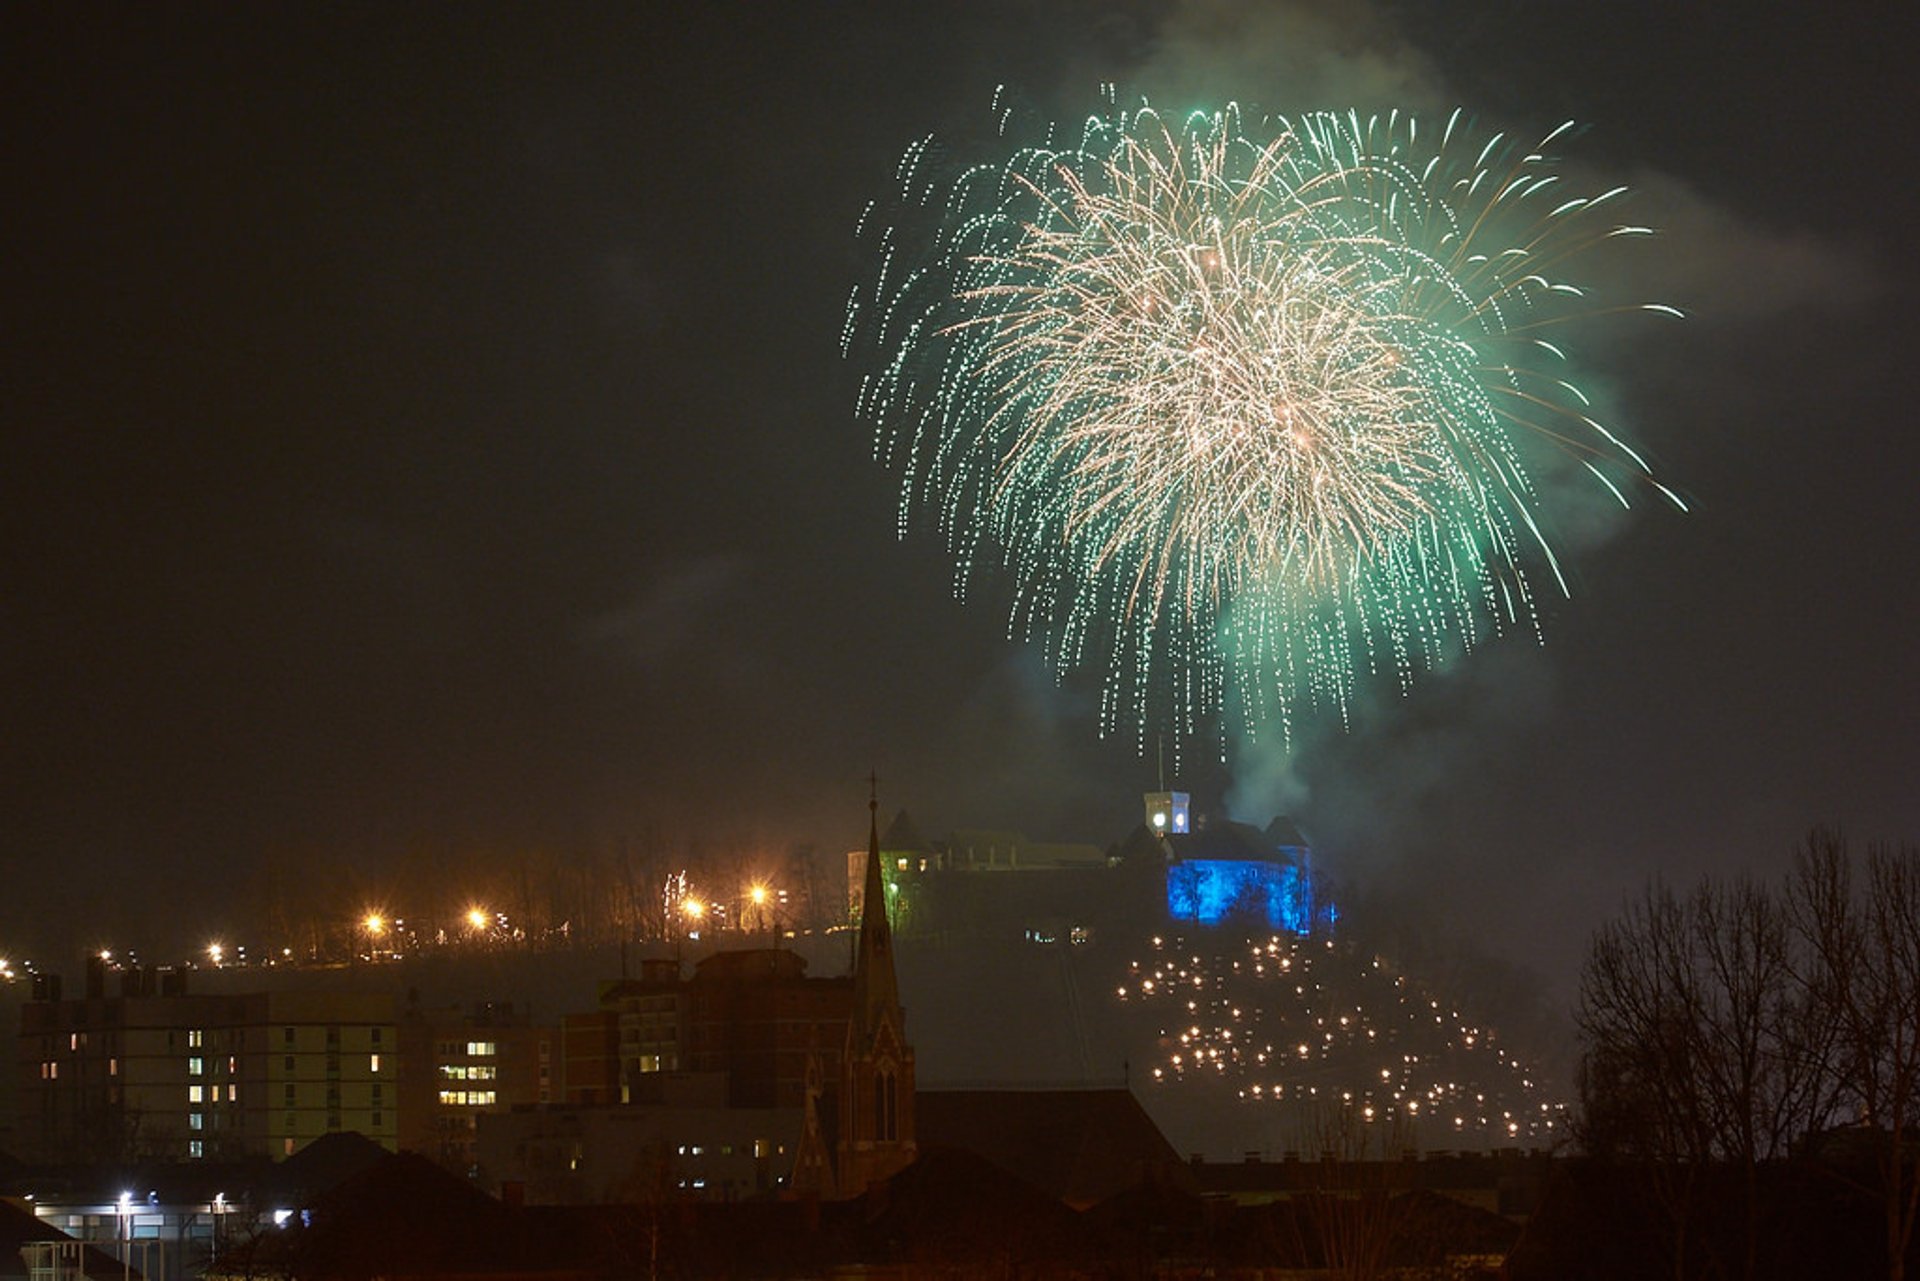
(1313, 1023)
(376, 935)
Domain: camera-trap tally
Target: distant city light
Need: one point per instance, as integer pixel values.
(376, 924)
(758, 894)
(215, 952)
(477, 918)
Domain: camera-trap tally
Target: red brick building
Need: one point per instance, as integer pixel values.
(458, 1062)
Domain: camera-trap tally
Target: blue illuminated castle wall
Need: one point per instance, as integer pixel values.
(1213, 891)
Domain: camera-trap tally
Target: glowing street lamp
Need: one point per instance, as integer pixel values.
(215, 952)
(375, 924)
(759, 911)
(477, 919)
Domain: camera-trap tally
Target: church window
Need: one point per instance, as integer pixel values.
(886, 1107)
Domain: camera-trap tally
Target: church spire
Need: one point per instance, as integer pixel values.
(876, 1072)
(876, 989)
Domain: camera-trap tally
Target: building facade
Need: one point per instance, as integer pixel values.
(685, 1144)
(458, 1062)
(156, 1072)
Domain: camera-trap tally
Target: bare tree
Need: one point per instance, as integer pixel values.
(1704, 1044)
(1355, 1207)
(1637, 1001)
(1727, 1031)
(1864, 963)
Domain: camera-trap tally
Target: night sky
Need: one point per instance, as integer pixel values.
(425, 425)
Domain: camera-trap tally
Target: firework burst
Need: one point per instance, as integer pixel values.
(1239, 406)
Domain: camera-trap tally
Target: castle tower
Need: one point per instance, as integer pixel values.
(1167, 813)
(876, 1073)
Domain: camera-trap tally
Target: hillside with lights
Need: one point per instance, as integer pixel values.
(1208, 966)
(1328, 1044)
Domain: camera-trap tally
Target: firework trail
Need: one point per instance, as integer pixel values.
(1238, 405)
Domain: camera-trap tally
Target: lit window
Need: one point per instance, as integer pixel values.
(195, 1120)
(469, 1072)
(373, 1063)
(286, 1149)
(903, 865)
(113, 1067)
(760, 1149)
(195, 1066)
(195, 1093)
(195, 1038)
(233, 1093)
(196, 1149)
(468, 1098)
(73, 1040)
(480, 1049)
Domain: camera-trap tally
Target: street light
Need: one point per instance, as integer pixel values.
(124, 1208)
(759, 896)
(375, 924)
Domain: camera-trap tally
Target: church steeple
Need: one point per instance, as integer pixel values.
(876, 1073)
(875, 986)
